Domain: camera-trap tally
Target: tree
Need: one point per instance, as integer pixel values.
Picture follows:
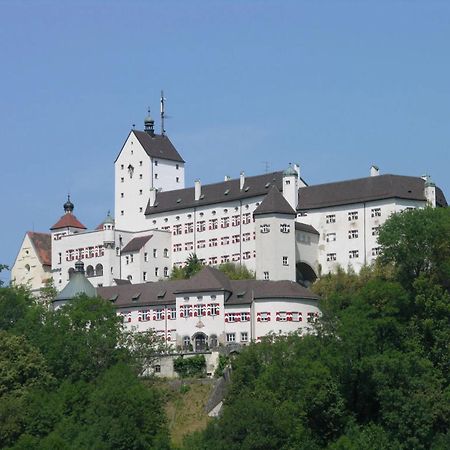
(417, 242)
(2, 268)
(192, 266)
(236, 272)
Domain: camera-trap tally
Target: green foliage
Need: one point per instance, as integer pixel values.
(192, 266)
(224, 361)
(48, 292)
(193, 366)
(236, 271)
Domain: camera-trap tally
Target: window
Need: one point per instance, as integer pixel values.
(296, 316)
(166, 271)
(375, 231)
(246, 218)
(140, 163)
(201, 226)
(235, 221)
(144, 315)
(155, 253)
(188, 227)
(213, 309)
(376, 212)
(186, 342)
(186, 311)
(140, 176)
(246, 255)
(246, 237)
(177, 166)
(265, 228)
(156, 176)
(140, 209)
(171, 313)
(157, 368)
(244, 316)
(352, 234)
(121, 212)
(212, 260)
(213, 341)
(225, 222)
(177, 248)
(235, 238)
(266, 275)
(263, 317)
(231, 337)
(224, 240)
(331, 218)
(189, 246)
(236, 257)
(244, 336)
(121, 195)
(126, 316)
(281, 316)
(352, 215)
(352, 254)
(285, 228)
(201, 244)
(213, 242)
(156, 271)
(156, 163)
(213, 224)
(331, 256)
(144, 276)
(312, 317)
(59, 258)
(140, 191)
(122, 179)
(166, 253)
(145, 257)
(330, 237)
(285, 261)
(177, 229)
(121, 166)
(376, 251)
(224, 259)
(177, 179)
(158, 314)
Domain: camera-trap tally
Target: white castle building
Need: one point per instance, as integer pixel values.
(275, 223)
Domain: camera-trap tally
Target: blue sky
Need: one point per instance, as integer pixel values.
(333, 85)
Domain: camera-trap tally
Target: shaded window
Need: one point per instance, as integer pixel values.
(99, 270)
(89, 271)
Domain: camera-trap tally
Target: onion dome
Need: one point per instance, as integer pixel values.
(108, 219)
(290, 172)
(68, 206)
(149, 124)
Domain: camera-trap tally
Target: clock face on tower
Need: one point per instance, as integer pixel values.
(130, 170)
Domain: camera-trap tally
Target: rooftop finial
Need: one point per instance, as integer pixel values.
(163, 130)
(68, 206)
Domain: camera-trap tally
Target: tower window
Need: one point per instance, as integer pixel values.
(266, 275)
(177, 179)
(156, 176)
(156, 163)
(177, 166)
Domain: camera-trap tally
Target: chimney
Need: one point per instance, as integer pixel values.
(241, 181)
(374, 171)
(152, 197)
(297, 169)
(197, 190)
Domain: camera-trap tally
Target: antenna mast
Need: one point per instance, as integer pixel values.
(163, 130)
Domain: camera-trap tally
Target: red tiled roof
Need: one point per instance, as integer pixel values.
(42, 245)
(68, 220)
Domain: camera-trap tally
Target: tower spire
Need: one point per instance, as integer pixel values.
(149, 124)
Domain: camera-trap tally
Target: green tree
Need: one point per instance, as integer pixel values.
(417, 242)
(236, 272)
(192, 266)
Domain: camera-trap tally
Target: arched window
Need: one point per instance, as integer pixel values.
(186, 342)
(129, 277)
(213, 341)
(99, 270)
(166, 253)
(89, 271)
(166, 271)
(27, 267)
(71, 272)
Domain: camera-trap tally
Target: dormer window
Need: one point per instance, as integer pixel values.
(130, 170)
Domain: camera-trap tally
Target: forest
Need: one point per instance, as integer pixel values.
(373, 375)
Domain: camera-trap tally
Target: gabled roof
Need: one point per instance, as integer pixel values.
(274, 203)
(224, 191)
(306, 228)
(157, 146)
(136, 244)
(363, 190)
(66, 221)
(209, 279)
(42, 244)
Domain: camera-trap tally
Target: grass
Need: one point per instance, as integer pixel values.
(185, 406)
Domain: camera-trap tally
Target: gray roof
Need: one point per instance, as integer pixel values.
(306, 228)
(77, 285)
(136, 244)
(209, 279)
(363, 190)
(274, 203)
(158, 146)
(225, 191)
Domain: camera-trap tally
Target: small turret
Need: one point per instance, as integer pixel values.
(108, 231)
(149, 124)
(68, 206)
